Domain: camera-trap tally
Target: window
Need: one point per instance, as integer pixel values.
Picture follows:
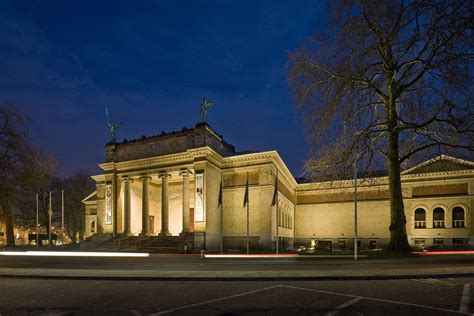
(341, 244)
(372, 244)
(458, 241)
(92, 227)
(420, 243)
(438, 218)
(438, 242)
(458, 217)
(420, 218)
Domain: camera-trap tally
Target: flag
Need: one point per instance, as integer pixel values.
(275, 193)
(246, 196)
(220, 195)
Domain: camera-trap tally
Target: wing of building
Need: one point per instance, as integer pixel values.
(170, 186)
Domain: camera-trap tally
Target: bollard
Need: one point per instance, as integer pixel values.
(202, 254)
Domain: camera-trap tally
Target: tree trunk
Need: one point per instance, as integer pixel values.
(398, 234)
(8, 217)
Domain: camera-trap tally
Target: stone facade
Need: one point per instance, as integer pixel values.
(174, 177)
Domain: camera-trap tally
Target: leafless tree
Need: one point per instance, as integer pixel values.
(76, 188)
(21, 165)
(387, 79)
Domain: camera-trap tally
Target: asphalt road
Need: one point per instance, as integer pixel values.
(101, 297)
(194, 263)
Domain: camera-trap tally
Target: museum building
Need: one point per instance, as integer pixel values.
(191, 185)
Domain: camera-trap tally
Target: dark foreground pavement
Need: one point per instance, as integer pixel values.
(192, 268)
(452, 296)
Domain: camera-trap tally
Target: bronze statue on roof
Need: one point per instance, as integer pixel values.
(205, 106)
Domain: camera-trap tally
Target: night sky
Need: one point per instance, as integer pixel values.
(151, 62)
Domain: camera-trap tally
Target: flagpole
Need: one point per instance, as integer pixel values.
(355, 207)
(248, 215)
(50, 210)
(62, 217)
(222, 214)
(37, 220)
(277, 215)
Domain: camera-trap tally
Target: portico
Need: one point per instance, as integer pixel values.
(148, 196)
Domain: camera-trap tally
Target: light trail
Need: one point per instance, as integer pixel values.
(261, 256)
(460, 252)
(74, 254)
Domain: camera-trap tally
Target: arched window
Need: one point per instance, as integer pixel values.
(438, 218)
(420, 218)
(92, 227)
(458, 217)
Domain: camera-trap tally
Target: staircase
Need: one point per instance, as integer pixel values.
(157, 244)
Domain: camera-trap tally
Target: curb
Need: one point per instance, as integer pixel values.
(241, 279)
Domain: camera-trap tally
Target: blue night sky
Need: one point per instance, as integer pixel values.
(151, 62)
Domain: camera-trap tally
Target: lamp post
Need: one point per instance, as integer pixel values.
(50, 213)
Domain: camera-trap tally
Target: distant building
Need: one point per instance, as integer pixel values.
(169, 185)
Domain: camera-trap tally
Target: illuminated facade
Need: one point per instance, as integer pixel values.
(169, 185)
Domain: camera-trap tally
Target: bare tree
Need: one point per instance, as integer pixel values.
(387, 79)
(13, 150)
(76, 187)
(20, 164)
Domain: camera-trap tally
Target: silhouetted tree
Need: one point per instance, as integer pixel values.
(76, 187)
(20, 164)
(387, 79)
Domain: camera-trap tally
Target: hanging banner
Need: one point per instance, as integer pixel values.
(199, 206)
(108, 204)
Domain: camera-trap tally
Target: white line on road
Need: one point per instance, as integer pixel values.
(343, 306)
(376, 299)
(213, 301)
(465, 299)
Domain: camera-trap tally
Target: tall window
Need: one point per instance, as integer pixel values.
(438, 218)
(420, 218)
(458, 217)
(92, 227)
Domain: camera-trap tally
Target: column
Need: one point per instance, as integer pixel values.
(145, 204)
(114, 204)
(186, 210)
(126, 206)
(165, 205)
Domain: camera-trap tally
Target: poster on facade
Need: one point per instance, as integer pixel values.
(108, 204)
(199, 207)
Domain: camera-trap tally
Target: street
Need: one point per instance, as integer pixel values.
(389, 297)
(185, 284)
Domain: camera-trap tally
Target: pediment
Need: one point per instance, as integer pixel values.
(442, 163)
(90, 198)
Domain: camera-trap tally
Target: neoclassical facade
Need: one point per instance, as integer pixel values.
(170, 185)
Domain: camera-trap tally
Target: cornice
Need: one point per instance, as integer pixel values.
(383, 181)
(436, 159)
(153, 162)
(273, 156)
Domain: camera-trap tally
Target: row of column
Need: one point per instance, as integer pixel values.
(145, 179)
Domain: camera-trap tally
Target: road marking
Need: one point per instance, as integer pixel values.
(376, 299)
(465, 299)
(343, 306)
(214, 300)
(436, 282)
